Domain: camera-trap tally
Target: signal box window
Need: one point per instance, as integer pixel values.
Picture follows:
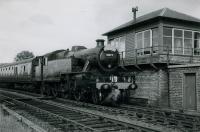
(139, 43)
(155, 37)
(147, 42)
(188, 43)
(182, 42)
(196, 43)
(119, 44)
(178, 41)
(167, 39)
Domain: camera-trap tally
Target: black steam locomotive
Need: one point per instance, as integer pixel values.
(81, 74)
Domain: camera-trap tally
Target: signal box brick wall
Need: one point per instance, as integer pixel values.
(176, 86)
(152, 85)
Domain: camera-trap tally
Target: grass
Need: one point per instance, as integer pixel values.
(10, 124)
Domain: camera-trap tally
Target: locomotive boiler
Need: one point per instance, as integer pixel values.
(75, 74)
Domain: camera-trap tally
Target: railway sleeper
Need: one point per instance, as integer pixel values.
(122, 129)
(110, 128)
(179, 117)
(73, 114)
(132, 115)
(188, 125)
(40, 115)
(103, 124)
(79, 118)
(50, 120)
(159, 119)
(63, 112)
(172, 122)
(161, 114)
(192, 118)
(72, 117)
(92, 122)
(53, 121)
(88, 119)
(68, 127)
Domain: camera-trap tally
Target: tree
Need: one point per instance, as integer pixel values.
(23, 55)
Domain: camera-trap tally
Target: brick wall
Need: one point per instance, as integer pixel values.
(176, 85)
(152, 85)
(163, 88)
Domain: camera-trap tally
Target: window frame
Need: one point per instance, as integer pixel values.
(183, 39)
(118, 44)
(194, 40)
(174, 37)
(143, 48)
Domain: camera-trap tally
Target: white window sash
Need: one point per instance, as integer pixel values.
(183, 39)
(172, 41)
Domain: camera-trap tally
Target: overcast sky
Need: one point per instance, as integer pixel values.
(42, 26)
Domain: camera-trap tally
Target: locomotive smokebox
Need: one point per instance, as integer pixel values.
(100, 42)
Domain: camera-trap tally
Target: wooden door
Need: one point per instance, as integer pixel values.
(189, 97)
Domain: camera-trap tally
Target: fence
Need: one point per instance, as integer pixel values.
(159, 50)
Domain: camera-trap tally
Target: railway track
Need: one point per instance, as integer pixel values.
(162, 117)
(70, 119)
(155, 116)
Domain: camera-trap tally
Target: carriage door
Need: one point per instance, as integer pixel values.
(15, 71)
(189, 97)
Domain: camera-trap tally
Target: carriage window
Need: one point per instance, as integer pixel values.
(24, 68)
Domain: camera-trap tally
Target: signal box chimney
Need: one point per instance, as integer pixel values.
(134, 10)
(100, 42)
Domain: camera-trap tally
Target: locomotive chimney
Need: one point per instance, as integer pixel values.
(100, 42)
(134, 10)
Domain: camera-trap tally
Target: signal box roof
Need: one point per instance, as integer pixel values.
(161, 13)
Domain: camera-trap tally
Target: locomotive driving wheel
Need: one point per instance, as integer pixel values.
(42, 90)
(48, 91)
(95, 96)
(54, 92)
(78, 95)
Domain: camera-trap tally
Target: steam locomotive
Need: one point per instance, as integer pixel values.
(81, 74)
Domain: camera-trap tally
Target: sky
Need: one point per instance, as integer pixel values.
(42, 26)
